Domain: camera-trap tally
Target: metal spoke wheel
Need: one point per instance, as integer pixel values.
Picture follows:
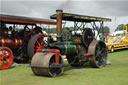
(6, 58)
(43, 64)
(77, 60)
(74, 61)
(36, 42)
(99, 49)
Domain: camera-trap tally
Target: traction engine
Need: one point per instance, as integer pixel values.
(14, 45)
(19, 38)
(78, 48)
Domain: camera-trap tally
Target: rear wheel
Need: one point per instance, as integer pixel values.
(6, 58)
(99, 51)
(36, 42)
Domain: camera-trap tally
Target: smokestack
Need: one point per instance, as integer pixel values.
(59, 21)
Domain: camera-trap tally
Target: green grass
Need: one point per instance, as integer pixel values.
(115, 74)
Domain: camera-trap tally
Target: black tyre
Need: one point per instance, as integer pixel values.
(36, 42)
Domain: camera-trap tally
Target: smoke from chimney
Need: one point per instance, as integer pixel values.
(66, 5)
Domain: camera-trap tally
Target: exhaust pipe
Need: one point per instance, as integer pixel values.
(59, 21)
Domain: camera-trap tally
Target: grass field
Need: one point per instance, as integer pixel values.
(115, 74)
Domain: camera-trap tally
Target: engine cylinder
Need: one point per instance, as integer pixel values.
(70, 49)
(11, 42)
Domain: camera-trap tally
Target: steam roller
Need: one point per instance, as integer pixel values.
(48, 62)
(79, 48)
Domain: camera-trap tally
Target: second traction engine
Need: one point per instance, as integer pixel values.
(20, 37)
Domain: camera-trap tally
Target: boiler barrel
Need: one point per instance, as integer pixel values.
(11, 42)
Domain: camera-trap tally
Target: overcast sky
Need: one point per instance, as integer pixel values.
(117, 10)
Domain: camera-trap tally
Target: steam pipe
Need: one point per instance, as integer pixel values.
(59, 21)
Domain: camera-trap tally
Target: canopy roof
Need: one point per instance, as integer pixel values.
(25, 20)
(80, 18)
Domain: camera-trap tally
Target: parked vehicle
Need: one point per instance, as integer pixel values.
(19, 38)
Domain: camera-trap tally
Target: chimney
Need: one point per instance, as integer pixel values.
(59, 21)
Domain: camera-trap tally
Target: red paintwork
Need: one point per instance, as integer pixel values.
(11, 42)
(38, 43)
(56, 51)
(6, 53)
(77, 41)
(69, 37)
(107, 34)
(87, 54)
(39, 46)
(27, 21)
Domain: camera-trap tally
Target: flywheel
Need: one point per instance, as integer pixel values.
(87, 37)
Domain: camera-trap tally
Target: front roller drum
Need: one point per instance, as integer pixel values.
(43, 64)
(98, 50)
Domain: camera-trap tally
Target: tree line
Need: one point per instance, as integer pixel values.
(121, 27)
(106, 29)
